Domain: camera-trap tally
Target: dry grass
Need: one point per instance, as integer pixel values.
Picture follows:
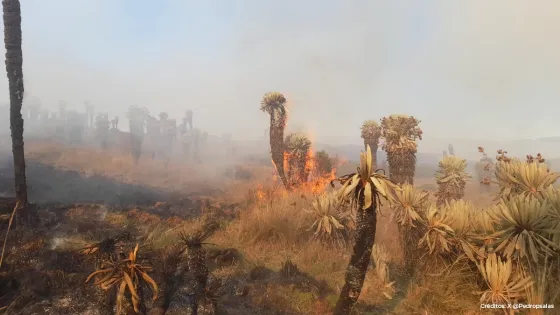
(454, 295)
(113, 164)
(280, 220)
(271, 227)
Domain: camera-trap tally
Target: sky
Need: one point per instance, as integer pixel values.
(467, 69)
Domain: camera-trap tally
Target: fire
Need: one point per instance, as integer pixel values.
(310, 162)
(268, 193)
(260, 194)
(315, 182)
(287, 158)
(319, 184)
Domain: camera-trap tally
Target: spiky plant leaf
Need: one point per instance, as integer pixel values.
(371, 130)
(463, 221)
(519, 177)
(483, 224)
(524, 226)
(273, 101)
(437, 238)
(106, 249)
(297, 147)
(504, 286)
(328, 220)
(400, 133)
(552, 195)
(380, 257)
(408, 205)
(366, 183)
(536, 291)
(324, 164)
(451, 178)
(130, 274)
(198, 237)
(297, 142)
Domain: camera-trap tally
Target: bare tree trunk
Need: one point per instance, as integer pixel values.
(277, 147)
(14, 61)
(161, 305)
(402, 167)
(366, 221)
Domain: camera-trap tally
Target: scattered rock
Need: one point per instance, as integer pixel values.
(63, 302)
(235, 287)
(259, 273)
(242, 289)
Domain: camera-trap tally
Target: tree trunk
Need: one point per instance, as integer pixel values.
(196, 264)
(277, 148)
(402, 167)
(91, 117)
(407, 243)
(14, 61)
(296, 172)
(450, 191)
(136, 146)
(167, 288)
(107, 300)
(366, 221)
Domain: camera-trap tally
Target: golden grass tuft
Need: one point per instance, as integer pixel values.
(454, 294)
(280, 221)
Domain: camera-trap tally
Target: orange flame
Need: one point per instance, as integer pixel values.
(310, 162)
(269, 193)
(287, 158)
(315, 183)
(260, 193)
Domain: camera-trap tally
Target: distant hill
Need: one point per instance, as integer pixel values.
(431, 149)
(467, 148)
(553, 164)
(426, 163)
(550, 139)
(352, 152)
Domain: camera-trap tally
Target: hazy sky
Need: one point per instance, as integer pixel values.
(470, 69)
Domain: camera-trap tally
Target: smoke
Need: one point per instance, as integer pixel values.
(466, 69)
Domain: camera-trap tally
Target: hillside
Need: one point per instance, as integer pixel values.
(352, 150)
(467, 148)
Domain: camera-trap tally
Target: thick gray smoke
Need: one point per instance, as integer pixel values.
(469, 69)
